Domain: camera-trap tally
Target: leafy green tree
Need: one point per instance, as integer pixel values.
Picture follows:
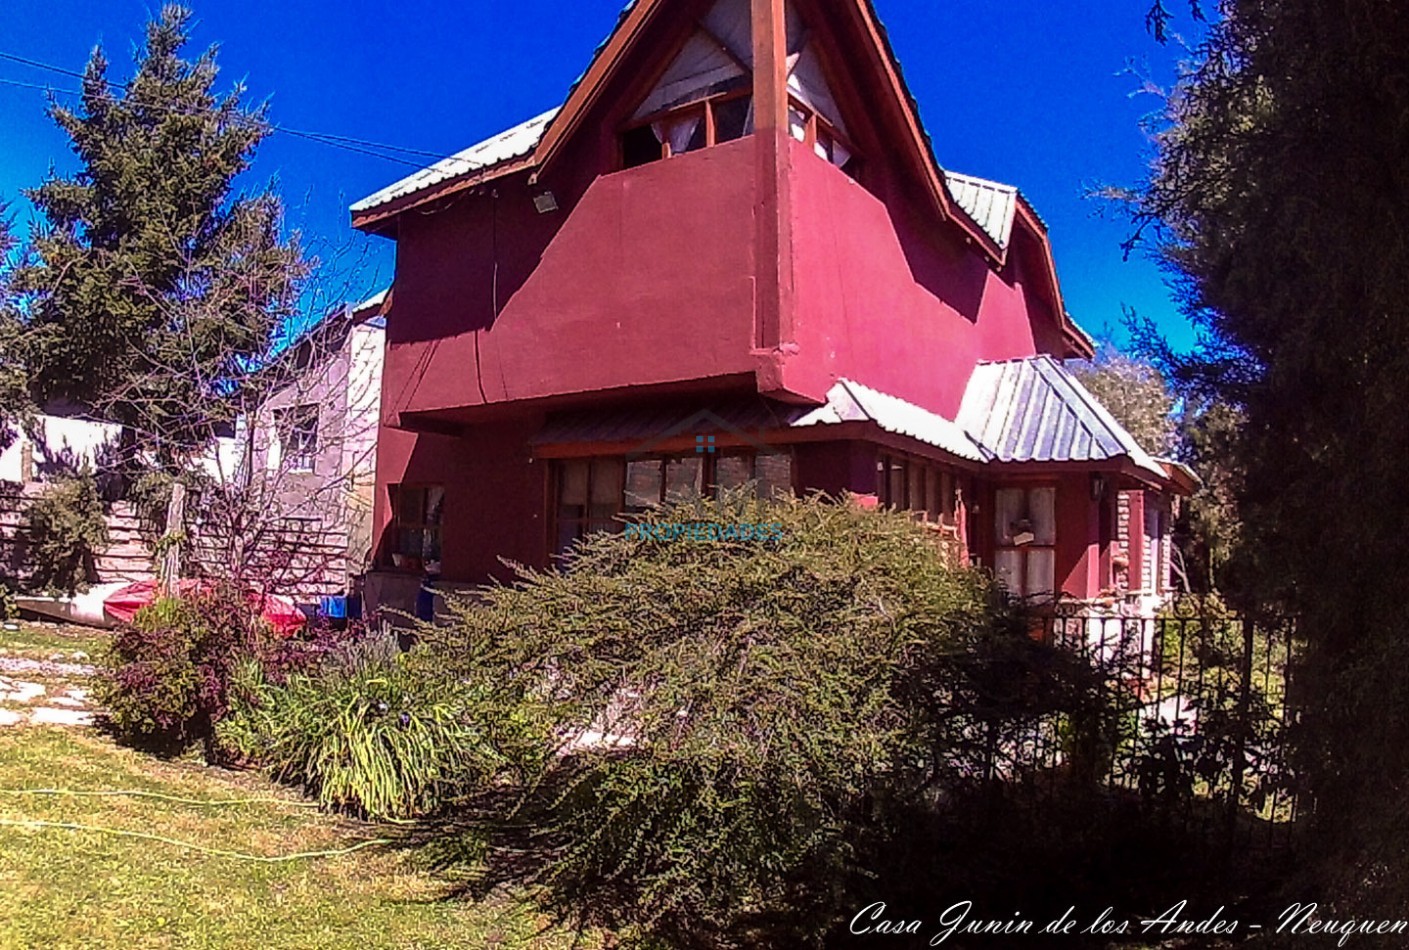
(1209, 525)
(1135, 392)
(1280, 195)
(154, 287)
(65, 529)
(1198, 431)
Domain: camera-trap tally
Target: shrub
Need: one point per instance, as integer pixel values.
(768, 701)
(65, 528)
(163, 679)
(368, 736)
(8, 608)
(166, 680)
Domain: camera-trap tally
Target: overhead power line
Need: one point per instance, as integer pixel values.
(344, 142)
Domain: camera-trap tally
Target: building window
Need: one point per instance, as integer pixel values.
(908, 484)
(594, 495)
(826, 140)
(589, 493)
(297, 431)
(1155, 566)
(688, 128)
(417, 517)
(1025, 526)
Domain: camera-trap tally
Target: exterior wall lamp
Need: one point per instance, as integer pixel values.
(1098, 487)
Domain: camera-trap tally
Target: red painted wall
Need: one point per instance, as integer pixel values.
(495, 494)
(1078, 538)
(647, 279)
(896, 302)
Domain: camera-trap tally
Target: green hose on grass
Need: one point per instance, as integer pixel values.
(216, 852)
(203, 803)
(37, 825)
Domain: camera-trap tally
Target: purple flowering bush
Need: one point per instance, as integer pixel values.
(166, 680)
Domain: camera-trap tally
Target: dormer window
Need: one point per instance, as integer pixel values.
(688, 128)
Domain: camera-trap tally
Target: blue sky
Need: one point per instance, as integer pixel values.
(1028, 92)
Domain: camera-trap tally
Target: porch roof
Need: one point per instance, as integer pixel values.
(1021, 411)
(1035, 410)
(755, 419)
(850, 401)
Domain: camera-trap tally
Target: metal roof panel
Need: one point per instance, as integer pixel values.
(1035, 410)
(513, 143)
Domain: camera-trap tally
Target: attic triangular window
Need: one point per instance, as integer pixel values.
(703, 67)
(705, 95)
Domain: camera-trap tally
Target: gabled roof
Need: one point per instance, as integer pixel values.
(846, 402)
(537, 140)
(850, 401)
(986, 211)
(1035, 410)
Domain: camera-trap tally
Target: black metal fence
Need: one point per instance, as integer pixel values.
(1185, 714)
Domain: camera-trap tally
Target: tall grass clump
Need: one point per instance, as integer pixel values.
(365, 735)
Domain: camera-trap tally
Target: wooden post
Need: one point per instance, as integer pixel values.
(169, 573)
(774, 289)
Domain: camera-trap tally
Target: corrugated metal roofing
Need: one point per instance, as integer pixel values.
(849, 401)
(753, 418)
(991, 205)
(376, 300)
(514, 143)
(745, 416)
(1034, 410)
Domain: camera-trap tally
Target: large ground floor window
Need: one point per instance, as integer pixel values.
(592, 495)
(911, 484)
(1025, 529)
(417, 516)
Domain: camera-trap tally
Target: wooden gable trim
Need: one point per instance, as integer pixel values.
(1027, 219)
(588, 91)
(883, 58)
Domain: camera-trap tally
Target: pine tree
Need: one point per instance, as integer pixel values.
(154, 288)
(13, 382)
(1283, 189)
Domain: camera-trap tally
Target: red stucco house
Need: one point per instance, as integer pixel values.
(734, 245)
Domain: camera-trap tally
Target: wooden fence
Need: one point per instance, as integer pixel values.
(305, 560)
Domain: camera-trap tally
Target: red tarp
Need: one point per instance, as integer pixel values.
(278, 612)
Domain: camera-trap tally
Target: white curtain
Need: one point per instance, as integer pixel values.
(677, 132)
(807, 81)
(840, 154)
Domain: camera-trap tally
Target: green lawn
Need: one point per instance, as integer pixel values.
(44, 642)
(88, 889)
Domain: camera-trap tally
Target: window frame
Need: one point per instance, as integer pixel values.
(815, 123)
(585, 524)
(287, 427)
(1025, 551)
(707, 104)
(708, 485)
(428, 529)
(938, 484)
